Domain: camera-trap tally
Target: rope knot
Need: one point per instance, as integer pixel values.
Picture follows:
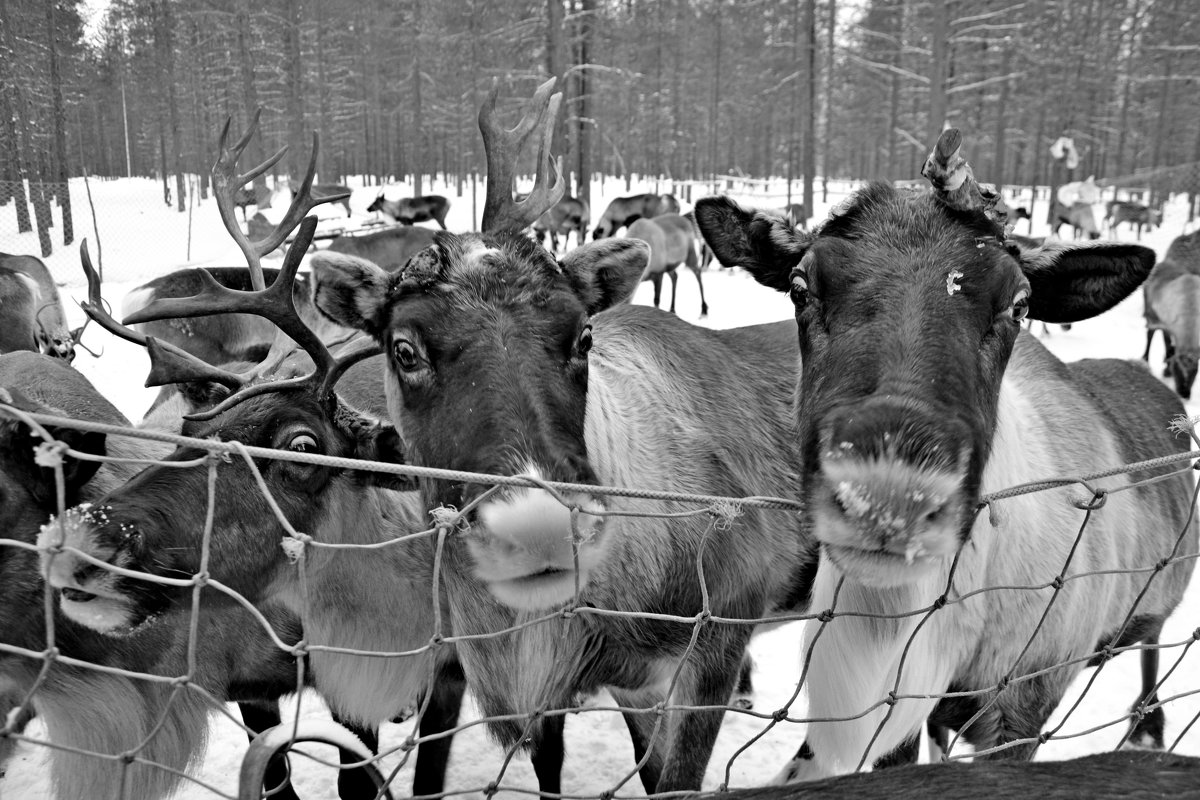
(293, 546)
(1099, 498)
(940, 603)
(825, 616)
(779, 714)
(450, 519)
(704, 616)
(724, 513)
(1058, 582)
(1002, 685)
(891, 698)
(50, 454)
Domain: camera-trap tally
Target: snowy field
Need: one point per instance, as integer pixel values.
(141, 244)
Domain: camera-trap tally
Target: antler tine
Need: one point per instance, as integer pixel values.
(302, 203)
(168, 364)
(226, 182)
(954, 181)
(357, 349)
(503, 147)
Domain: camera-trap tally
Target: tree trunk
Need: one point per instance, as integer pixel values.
(418, 123)
(1002, 112)
(808, 155)
(587, 38)
(324, 123)
(293, 82)
(18, 124)
(555, 55)
(254, 151)
(825, 140)
(938, 66)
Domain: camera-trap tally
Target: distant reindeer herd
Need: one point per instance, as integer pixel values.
(902, 395)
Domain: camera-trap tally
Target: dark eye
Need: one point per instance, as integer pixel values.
(406, 355)
(585, 340)
(1020, 307)
(303, 443)
(799, 289)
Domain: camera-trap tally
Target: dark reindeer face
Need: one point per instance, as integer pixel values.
(907, 311)
(376, 204)
(155, 522)
(487, 342)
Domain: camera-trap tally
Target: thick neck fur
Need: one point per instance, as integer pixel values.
(1045, 428)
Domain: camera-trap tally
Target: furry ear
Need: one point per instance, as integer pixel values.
(1073, 282)
(764, 245)
(606, 273)
(384, 444)
(351, 291)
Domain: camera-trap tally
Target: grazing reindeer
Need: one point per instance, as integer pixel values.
(1080, 216)
(567, 215)
(502, 360)
(919, 395)
(378, 599)
(49, 320)
(93, 710)
(1135, 214)
(626, 210)
(672, 242)
(409, 210)
(389, 248)
(1172, 305)
(323, 190)
(245, 197)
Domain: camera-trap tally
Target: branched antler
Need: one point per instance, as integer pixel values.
(170, 364)
(503, 147)
(954, 181)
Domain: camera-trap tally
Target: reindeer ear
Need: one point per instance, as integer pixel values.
(384, 444)
(351, 291)
(1070, 282)
(606, 273)
(764, 245)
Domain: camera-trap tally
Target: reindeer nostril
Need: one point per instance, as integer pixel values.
(77, 596)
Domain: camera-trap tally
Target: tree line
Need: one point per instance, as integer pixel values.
(683, 89)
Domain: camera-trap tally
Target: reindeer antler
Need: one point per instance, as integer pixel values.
(954, 181)
(503, 147)
(170, 364)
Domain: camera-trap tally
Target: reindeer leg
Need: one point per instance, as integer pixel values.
(743, 695)
(693, 733)
(261, 716)
(1148, 731)
(356, 783)
(641, 726)
(700, 282)
(1149, 339)
(442, 715)
(674, 284)
(656, 279)
(1168, 353)
(549, 750)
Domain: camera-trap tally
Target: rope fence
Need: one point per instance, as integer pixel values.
(722, 513)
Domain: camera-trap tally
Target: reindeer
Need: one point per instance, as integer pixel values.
(672, 242)
(332, 190)
(919, 395)
(1136, 214)
(625, 210)
(389, 248)
(93, 710)
(1172, 305)
(52, 334)
(377, 599)
(502, 360)
(409, 210)
(1080, 216)
(568, 214)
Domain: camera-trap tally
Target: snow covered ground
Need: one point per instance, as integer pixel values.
(141, 241)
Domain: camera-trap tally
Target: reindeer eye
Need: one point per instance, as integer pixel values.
(799, 289)
(303, 443)
(1020, 306)
(406, 355)
(585, 340)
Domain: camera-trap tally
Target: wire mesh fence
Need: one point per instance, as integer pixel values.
(306, 555)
